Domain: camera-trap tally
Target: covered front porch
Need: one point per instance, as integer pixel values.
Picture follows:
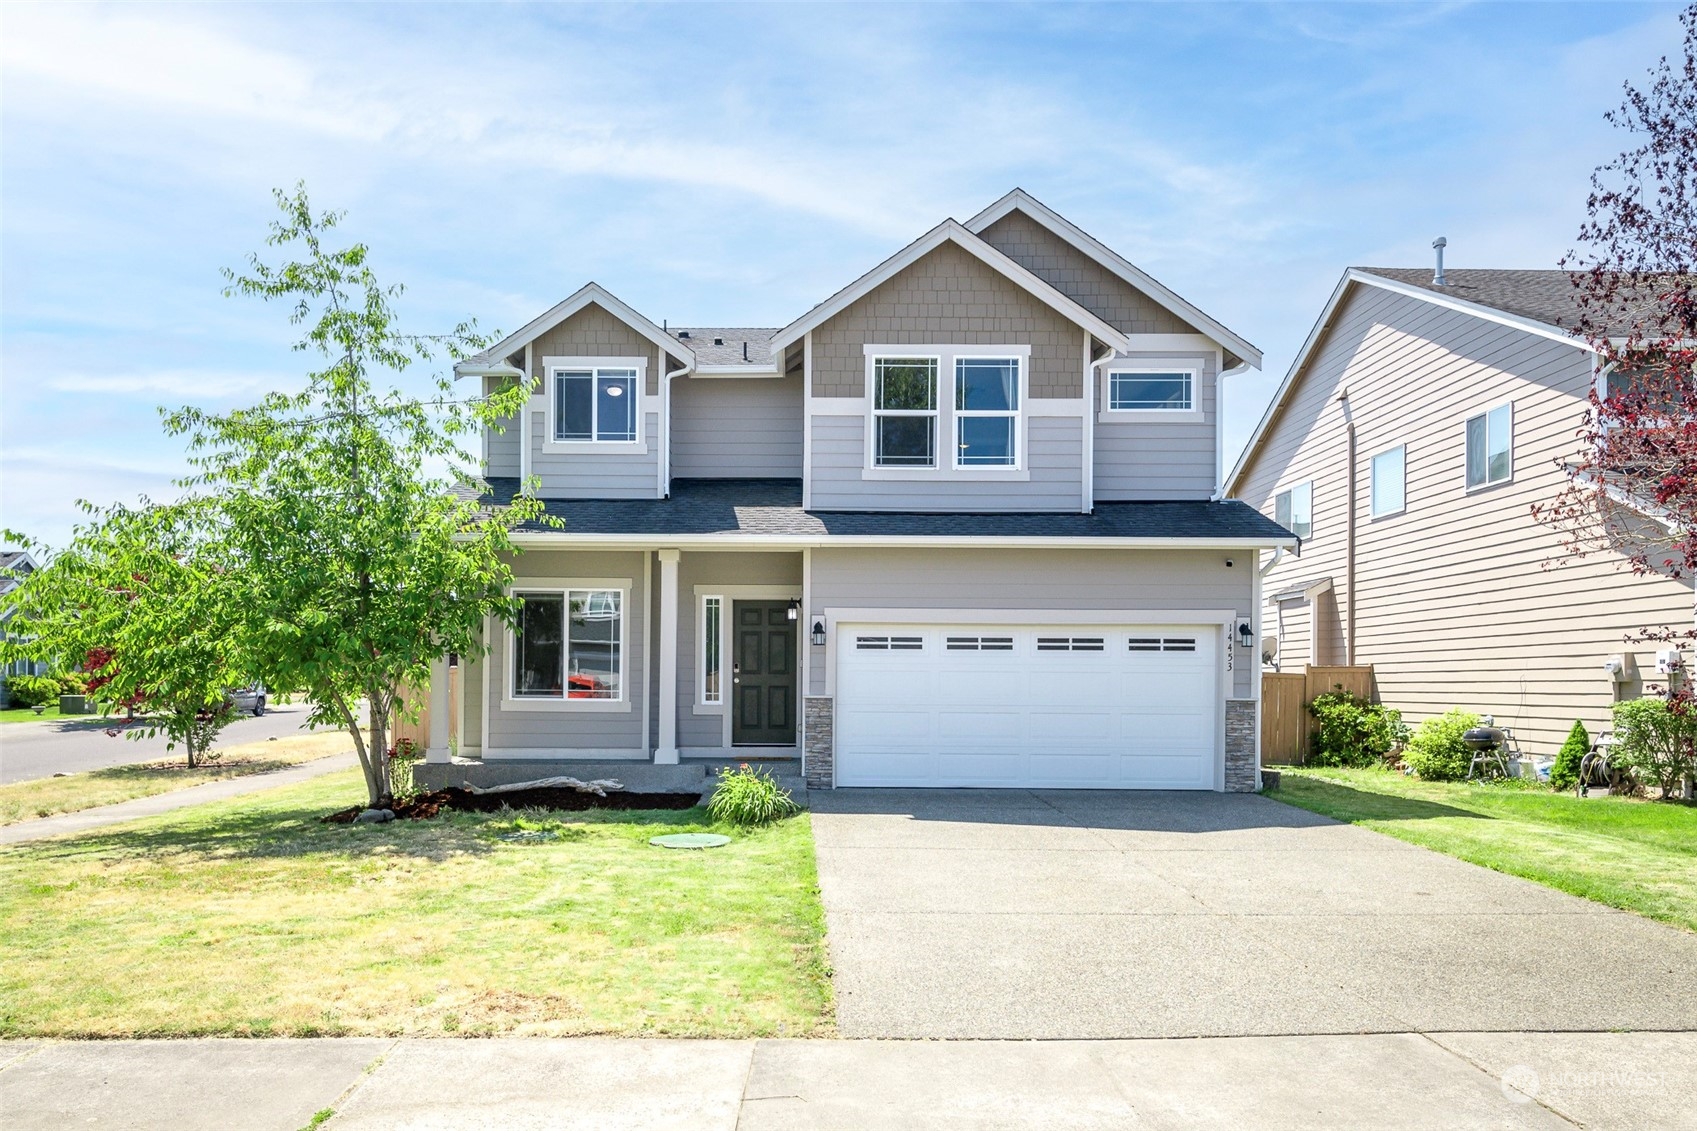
(626, 656)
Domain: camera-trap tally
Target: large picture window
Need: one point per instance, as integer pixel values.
(1490, 447)
(595, 405)
(904, 412)
(1293, 509)
(986, 411)
(569, 645)
(1150, 390)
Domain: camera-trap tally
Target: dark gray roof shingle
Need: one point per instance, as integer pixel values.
(1543, 296)
(772, 507)
(757, 338)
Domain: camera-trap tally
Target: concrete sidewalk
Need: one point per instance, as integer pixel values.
(1400, 1080)
(104, 815)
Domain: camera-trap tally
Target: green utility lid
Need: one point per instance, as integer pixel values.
(690, 840)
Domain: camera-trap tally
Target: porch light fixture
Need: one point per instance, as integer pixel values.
(794, 611)
(1245, 634)
(818, 632)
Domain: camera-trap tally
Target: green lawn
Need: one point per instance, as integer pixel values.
(43, 797)
(1637, 855)
(252, 917)
(28, 715)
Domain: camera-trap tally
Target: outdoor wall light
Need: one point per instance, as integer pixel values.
(795, 609)
(818, 632)
(1245, 634)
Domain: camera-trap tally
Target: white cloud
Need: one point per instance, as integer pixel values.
(179, 384)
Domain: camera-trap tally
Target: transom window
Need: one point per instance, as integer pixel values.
(1389, 474)
(1490, 447)
(986, 411)
(1152, 390)
(1293, 509)
(595, 405)
(904, 412)
(569, 645)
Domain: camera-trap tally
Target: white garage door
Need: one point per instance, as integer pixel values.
(1123, 707)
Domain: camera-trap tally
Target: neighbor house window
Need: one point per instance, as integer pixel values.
(986, 411)
(1150, 390)
(712, 619)
(595, 405)
(1388, 480)
(904, 412)
(1293, 509)
(1490, 447)
(569, 645)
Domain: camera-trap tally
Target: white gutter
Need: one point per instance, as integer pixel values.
(501, 369)
(666, 424)
(1278, 552)
(813, 541)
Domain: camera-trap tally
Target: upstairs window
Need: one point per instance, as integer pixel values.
(904, 412)
(1293, 509)
(1490, 447)
(986, 411)
(1152, 390)
(1389, 469)
(595, 405)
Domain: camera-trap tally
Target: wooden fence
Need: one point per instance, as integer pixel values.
(419, 729)
(1284, 706)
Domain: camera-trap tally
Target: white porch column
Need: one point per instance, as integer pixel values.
(666, 753)
(437, 751)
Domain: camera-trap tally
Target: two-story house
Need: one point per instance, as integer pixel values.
(958, 524)
(1421, 421)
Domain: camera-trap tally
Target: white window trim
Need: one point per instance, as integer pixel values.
(949, 469)
(1489, 483)
(550, 365)
(731, 595)
(704, 705)
(1191, 415)
(563, 585)
(1373, 482)
(1292, 488)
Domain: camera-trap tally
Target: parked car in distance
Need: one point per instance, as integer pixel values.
(249, 700)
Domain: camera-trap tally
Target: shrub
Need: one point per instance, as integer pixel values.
(72, 683)
(32, 690)
(1653, 740)
(1352, 731)
(1436, 751)
(402, 756)
(1565, 773)
(747, 797)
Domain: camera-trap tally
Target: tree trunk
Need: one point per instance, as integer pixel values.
(380, 705)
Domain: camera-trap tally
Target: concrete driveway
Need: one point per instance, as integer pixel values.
(1073, 914)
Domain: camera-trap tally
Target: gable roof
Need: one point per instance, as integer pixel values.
(949, 231)
(701, 340)
(493, 361)
(1022, 201)
(1522, 300)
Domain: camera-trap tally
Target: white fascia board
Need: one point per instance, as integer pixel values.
(585, 295)
(1022, 201)
(1355, 275)
(500, 369)
(737, 371)
(947, 231)
(542, 539)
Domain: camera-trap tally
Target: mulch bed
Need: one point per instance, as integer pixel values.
(427, 805)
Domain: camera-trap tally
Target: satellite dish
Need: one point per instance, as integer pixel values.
(1269, 648)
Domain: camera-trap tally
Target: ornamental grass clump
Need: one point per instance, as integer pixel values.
(747, 796)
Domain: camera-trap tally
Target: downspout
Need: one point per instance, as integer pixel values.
(666, 423)
(1349, 534)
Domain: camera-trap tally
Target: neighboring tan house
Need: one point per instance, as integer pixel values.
(15, 565)
(1418, 426)
(959, 524)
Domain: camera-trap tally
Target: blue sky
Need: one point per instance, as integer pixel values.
(733, 165)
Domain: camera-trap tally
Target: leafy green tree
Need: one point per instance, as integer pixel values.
(365, 553)
(1653, 740)
(1565, 773)
(150, 594)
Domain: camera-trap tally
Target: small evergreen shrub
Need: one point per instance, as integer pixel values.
(1351, 731)
(1564, 774)
(749, 797)
(32, 690)
(1436, 751)
(1653, 741)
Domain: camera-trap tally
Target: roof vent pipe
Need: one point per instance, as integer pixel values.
(745, 352)
(1438, 279)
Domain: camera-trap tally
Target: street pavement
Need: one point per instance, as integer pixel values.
(40, 749)
(1452, 1081)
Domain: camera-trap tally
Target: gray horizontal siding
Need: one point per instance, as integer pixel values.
(501, 448)
(736, 428)
(1083, 579)
(1151, 461)
(593, 475)
(1055, 461)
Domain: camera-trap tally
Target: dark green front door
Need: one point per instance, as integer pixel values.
(762, 674)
